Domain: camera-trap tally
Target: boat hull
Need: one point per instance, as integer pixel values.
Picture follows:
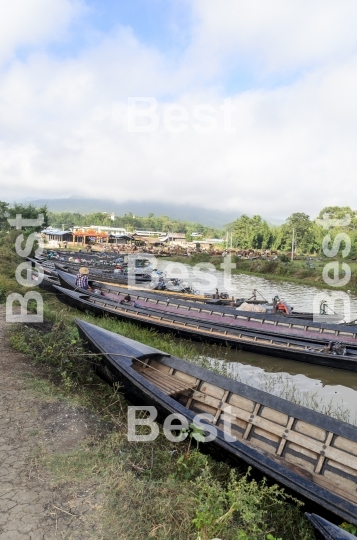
(327, 530)
(119, 363)
(271, 324)
(209, 333)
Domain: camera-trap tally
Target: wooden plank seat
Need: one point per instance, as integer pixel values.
(167, 383)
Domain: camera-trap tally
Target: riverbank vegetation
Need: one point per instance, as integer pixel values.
(300, 232)
(157, 490)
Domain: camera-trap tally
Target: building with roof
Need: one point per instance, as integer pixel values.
(140, 232)
(54, 237)
(99, 229)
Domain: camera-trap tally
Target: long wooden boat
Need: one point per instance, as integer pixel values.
(107, 278)
(50, 267)
(271, 323)
(68, 280)
(47, 283)
(327, 530)
(311, 453)
(288, 347)
(98, 255)
(109, 275)
(106, 270)
(144, 284)
(36, 263)
(105, 281)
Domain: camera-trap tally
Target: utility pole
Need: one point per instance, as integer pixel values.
(292, 245)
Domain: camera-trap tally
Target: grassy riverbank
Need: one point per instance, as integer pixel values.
(292, 271)
(161, 489)
(157, 490)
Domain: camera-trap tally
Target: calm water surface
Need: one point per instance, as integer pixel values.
(280, 377)
(267, 372)
(242, 285)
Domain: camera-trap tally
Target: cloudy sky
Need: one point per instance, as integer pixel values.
(243, 105)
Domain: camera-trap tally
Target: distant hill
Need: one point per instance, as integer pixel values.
(205, 216)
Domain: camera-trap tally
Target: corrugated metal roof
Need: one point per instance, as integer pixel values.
(121, 236)
(55, 231)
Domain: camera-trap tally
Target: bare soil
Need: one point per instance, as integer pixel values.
(32, 506)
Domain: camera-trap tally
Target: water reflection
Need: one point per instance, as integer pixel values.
(310, 385)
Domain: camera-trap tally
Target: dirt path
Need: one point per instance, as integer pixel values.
(30, 507)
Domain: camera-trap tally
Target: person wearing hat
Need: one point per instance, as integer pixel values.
(82, 278)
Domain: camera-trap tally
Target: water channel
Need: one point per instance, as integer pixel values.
(306, 382)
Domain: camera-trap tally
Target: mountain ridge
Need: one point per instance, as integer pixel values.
(195, 214)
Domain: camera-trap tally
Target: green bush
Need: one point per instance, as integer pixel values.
(284, 258)
(3, 293)
(244, 509)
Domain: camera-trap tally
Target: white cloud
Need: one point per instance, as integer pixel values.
(63, 126)
(275, 35)
(26, 23)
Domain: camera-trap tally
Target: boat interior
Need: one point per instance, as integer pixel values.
(325, 457)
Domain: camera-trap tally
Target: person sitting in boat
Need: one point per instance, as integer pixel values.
(283, 308)
(82, 278)
(126, 299)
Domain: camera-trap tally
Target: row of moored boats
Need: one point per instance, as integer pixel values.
(310, 453)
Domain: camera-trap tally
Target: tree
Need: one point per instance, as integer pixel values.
(340, 213)
(4, 213)
(336, 212)
(28, 212)
(241, 232)
(299, 226)
(252, 233)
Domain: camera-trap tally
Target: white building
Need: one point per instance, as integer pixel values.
(100, 228)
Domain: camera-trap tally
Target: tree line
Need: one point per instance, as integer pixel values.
(299, 232)
(247, 232)
(130, 222)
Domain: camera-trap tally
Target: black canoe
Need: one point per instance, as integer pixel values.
(311, 453)
(282, 346)
(48, 282)
(108, 275)
(68, 281)
(273, 323)
(328, 531)
(47, 268)
(145, 286)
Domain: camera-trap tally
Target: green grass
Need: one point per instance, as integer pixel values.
(155, 489)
